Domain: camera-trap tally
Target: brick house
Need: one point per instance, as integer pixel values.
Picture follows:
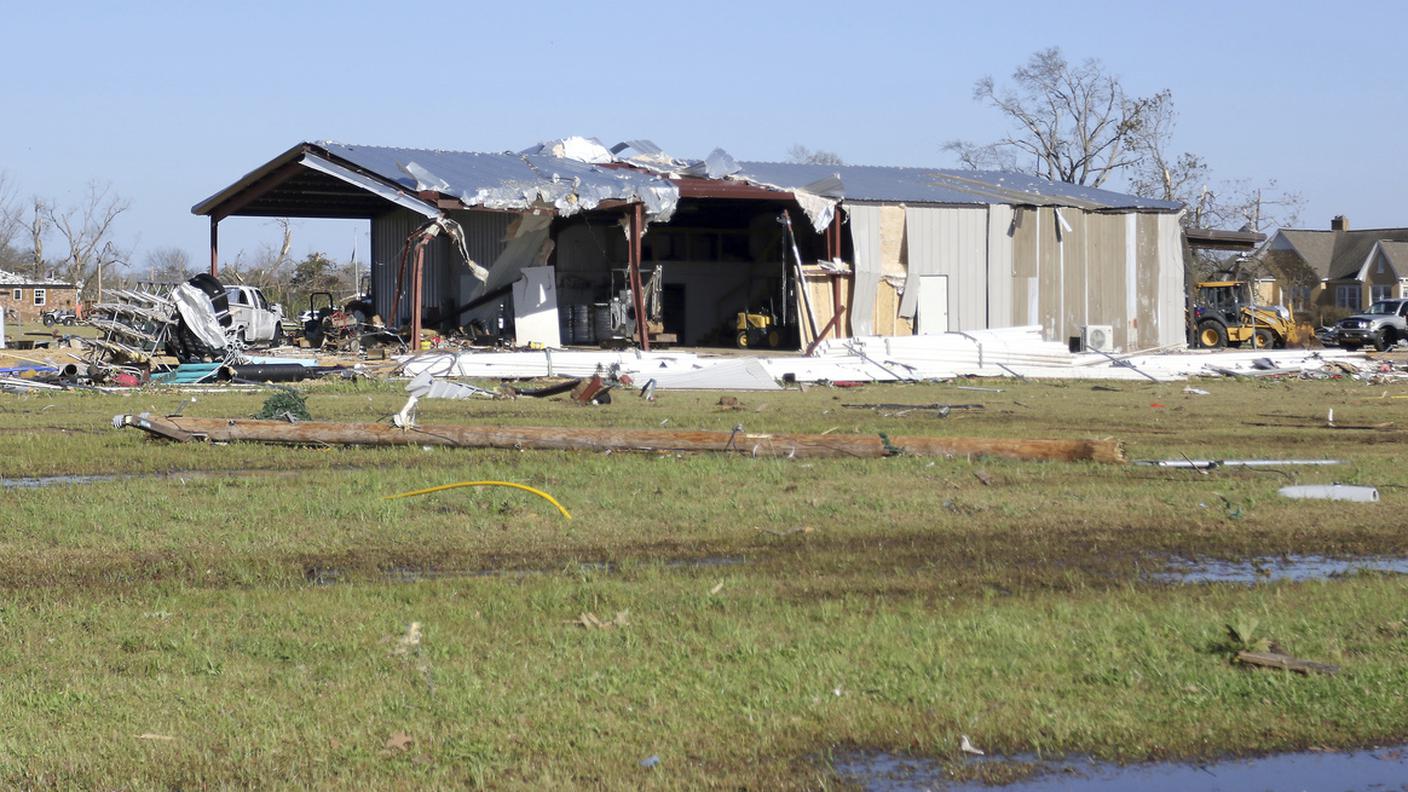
(25, 298)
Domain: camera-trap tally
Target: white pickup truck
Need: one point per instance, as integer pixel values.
(255, 319)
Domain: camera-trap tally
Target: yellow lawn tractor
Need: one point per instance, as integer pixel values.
(757, 329)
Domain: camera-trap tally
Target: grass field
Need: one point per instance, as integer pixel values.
(235, 616)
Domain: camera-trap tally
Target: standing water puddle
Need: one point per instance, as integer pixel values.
(1304, 772)
(54, 481)
(36, 482)
(1274, 568)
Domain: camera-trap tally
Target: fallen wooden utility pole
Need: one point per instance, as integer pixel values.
(557, 438)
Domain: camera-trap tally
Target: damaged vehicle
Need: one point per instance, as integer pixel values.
(199, 320)
(254, 318)
(1382, 326)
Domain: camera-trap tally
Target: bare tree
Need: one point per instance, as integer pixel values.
(11, 221)
(168, 265)
(86, 229)
(1071, 123)
(36, 238)
(286, 240)
(801, 154)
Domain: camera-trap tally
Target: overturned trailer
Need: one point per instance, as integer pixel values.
(571, 243)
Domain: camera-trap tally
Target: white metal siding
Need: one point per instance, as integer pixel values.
(865, 241)
(953, 242)
(1128, 333)
(1000, 272)
(1171, 295)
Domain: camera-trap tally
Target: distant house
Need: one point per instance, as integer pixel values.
(25, 298)
(1328, 272)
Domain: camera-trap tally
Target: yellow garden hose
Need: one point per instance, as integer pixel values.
(524, 487)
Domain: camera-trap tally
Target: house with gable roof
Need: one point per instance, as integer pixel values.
(1325, 273)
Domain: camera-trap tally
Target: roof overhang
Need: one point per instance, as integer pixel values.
(306, 181)
(1218, 239)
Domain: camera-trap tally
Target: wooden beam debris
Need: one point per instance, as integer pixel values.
(1285, 663)
(583, 439)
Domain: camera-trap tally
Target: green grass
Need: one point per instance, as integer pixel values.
(246, 600)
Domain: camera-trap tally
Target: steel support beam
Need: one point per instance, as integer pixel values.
(633, 263)
(214, 247)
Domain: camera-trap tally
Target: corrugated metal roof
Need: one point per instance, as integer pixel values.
(537, 177)
(485, 176)
(938, 186)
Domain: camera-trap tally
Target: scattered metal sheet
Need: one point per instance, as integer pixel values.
(1334, 492)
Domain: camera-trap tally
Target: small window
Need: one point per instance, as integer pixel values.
(1348, 297)
(40, 296)
(1380, 293)
(17, 294)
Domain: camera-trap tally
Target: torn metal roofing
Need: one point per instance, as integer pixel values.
(512, 181)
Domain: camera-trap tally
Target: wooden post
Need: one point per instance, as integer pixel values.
(214, 247)
(416, 282)
(833, 251)
(633, 264)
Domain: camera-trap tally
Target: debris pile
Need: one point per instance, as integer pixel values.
(1018, 352)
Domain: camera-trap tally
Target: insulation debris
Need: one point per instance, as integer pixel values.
(1017, 352)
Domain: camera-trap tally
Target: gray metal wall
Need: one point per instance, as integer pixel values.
(949, 241)
(447, 282)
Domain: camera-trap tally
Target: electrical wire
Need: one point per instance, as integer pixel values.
(524, 487)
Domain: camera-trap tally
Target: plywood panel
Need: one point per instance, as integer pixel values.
(1073, 280)
(1049, 284)
(1025, 233)
(1105, 272)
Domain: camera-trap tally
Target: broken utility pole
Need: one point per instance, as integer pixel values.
(575, 439)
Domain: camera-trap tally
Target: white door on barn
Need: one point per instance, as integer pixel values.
(931, 307)
(535, 308)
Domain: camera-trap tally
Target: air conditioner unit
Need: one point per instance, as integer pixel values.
(1100, 338)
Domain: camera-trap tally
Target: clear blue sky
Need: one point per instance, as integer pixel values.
(171, 102)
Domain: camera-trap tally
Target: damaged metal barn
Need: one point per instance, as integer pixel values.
(569, 242)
